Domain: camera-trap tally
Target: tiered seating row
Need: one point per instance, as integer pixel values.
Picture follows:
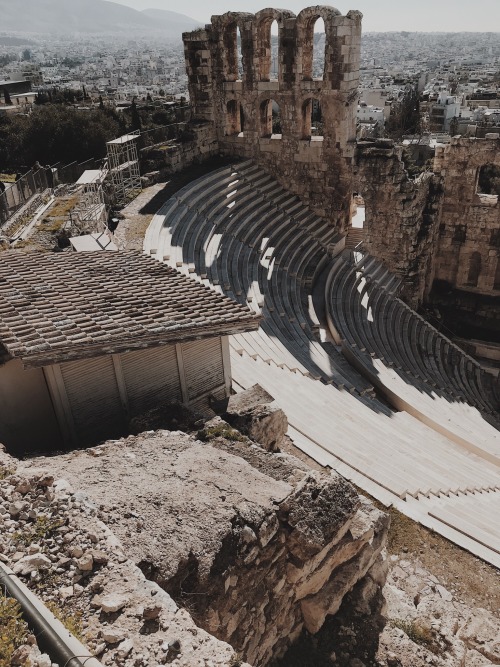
(407, 355)
(473, 514)
(237, 229)
(395, 450)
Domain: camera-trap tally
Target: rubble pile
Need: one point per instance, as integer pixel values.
(52, 539)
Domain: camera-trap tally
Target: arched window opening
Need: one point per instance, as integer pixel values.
(242, 121)
(474, 269)
(312, 120)
(270, 119)
(269, 48)
(319, 44)
(357, 211)
(488, 181)
(274, 44)
(233, 118)
(239, 55)
(230, 42)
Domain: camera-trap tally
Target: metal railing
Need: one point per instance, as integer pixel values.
(19, 193)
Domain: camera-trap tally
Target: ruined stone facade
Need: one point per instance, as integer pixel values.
(467, 256)
(240, 110)
(432, 228)
(437, 227)
(400, 218)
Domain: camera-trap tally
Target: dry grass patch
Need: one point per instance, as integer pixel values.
(13, 629)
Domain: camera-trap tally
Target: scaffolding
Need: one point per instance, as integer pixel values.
(123, 161)
(90, 212)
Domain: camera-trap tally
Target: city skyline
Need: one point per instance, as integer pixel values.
(425, 16)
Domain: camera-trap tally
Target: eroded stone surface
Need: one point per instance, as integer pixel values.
(254, 545)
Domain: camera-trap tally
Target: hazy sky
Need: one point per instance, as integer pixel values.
(379, 15)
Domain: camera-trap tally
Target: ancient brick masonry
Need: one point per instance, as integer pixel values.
(469, 233)
(436, 227)
(401, 214)
(318, 169)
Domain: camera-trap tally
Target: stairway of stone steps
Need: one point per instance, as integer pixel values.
(355, 236)
(397, 350)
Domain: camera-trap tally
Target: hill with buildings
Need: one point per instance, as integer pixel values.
(89, 17)
(171, 21)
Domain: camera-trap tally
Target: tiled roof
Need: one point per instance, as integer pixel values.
(56, 307)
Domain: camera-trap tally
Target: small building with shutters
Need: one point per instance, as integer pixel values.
(90, 340)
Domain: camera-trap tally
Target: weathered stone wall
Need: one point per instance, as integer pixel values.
(253, 544)
(432, 227)
(317, 169)
(436, 227)
(198, 144)
(467, 256)
(401, 214)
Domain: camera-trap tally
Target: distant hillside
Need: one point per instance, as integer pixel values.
(87, 17)
(172, 20)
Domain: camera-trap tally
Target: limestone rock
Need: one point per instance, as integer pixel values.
(254, 413)
(112, 602)
(482, 633)
(124, 648)
(85, 563)
(29, 563)
(151, 612)
(113, 635)
(316, 511)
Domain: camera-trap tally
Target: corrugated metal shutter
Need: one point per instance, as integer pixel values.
(93, 395)
(203, 366)
(151, 378)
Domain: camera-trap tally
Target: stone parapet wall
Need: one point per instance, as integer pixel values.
(198, 145)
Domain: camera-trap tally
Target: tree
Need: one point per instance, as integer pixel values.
(27, 54)
(101, 103)
(56, 133)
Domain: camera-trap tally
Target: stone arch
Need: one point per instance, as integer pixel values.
(488, 179)
(305, 36)
(263, 22)
(228, 25)
(311, 118)
(474, 270)
(269, 117)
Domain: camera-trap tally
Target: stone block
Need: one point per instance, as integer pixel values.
(254, 413)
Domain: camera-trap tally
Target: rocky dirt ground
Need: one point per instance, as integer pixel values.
(64, 521)
(53, 538)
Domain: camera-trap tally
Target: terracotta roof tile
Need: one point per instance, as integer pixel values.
(69, 305)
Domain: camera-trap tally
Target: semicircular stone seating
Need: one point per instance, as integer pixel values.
(402, 353)
(238, 231)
